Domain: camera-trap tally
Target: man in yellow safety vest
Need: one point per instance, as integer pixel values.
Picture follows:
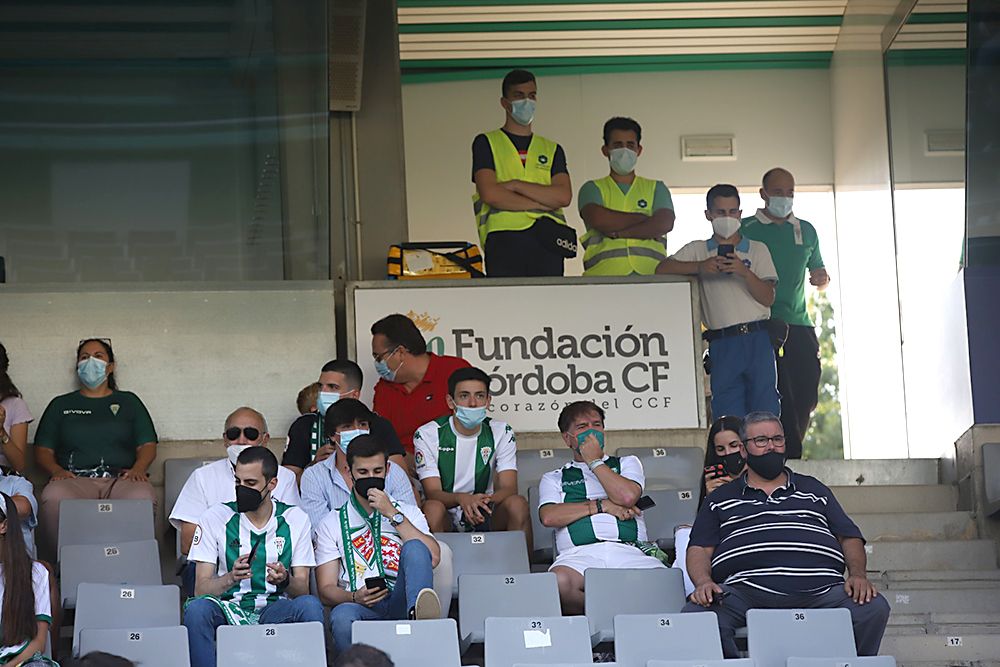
(627, 216)
(522, 184)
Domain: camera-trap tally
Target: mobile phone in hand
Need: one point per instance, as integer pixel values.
(714, 471)
(726, 249)
(253, 552)
(644, 503)
(374, 584)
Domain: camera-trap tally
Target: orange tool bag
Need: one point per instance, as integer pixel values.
(430, 260)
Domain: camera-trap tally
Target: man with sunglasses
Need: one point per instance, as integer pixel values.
(212, 483)
(775, 539)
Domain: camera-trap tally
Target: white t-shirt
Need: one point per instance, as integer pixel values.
(725, 298)
(287, 539)
(215, 483)
(605, 526)
(43, 607)
(330, 543)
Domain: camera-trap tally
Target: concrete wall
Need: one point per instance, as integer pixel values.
(778, 117)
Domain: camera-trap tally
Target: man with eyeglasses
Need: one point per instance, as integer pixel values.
(213, 483)
(413, 383)
(775, 539)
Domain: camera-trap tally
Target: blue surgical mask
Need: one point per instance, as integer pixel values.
(384, 372)
(779, 207)
(92, 371)
(580, 437)
(622, 160)
(347, 436)
(325, 400)
(523, 111)
(470, 417)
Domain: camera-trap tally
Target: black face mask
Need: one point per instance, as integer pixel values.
(733, 463)
(769, 465)
(365, 484)
(247, 499)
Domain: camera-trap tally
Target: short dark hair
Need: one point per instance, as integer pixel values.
(362, 655)
(515, 77)
(350, 370)
(262, 455)
(575, 410)
(622, 123)
(100, 659)
(720, 190)
(726, 423)
(364, 446)
(345, 411)
(464, 374)
(401, 332)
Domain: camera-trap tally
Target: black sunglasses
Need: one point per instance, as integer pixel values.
(233, 433)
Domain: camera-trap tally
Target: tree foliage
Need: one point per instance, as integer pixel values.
(825, 439)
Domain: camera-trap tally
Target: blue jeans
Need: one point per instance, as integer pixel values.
(743, 376)
(415, 574)
(202, 617)
(187, 580)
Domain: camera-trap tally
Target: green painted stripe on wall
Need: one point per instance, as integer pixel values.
(926, 57)
(404, 4)
(614, 61)
(953, 17)
(632, 24)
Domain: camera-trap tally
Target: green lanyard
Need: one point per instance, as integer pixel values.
(316, 437)
(375, 527)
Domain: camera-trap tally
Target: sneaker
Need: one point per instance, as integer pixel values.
(428, 605)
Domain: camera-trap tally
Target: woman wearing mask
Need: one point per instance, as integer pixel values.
(14, 420)
(724, 462)
(26, 611)
(95, 443)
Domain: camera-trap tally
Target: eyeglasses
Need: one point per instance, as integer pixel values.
(382, 355)
(760, 442)
(233, 433)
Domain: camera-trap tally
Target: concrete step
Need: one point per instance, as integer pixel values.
(917, 526)
(939, 579)
(943, 601)
(942, 649)
(897, 498)
(871, 472)
(932, 555)
(934, 622)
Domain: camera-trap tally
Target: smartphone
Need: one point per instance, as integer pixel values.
(253, 552)
(644, 503)
(726, 249)
(375, 583)
(718, 470)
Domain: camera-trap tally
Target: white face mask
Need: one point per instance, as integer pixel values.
(622, 160)
(725, 226)
(779, 207)
(233, 451)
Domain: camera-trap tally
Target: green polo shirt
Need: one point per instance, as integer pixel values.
(791, 259)
(82, 431)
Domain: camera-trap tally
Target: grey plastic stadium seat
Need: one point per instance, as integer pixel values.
(774, 635)
(533, 463)
(498, 552)
(148, 647)
(503, 595)
(107, 606)
(609, 592)
(544, 538)
(270, 645)
(103, 521)
(870, 661)
(135, 563)
(669, 467)
(674, 507)
(537, 640)
(412, 643)
(733, 662)
(564, 664)
(643, 637)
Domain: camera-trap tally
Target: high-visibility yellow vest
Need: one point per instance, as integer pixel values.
(537, 168)
(605, 256)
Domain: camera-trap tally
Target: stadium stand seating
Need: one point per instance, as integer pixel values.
(499, 552)
(503, 595)
(135, 563)
(674, 507)
(544, 538)
(669, 467)
(733, 662)
(643, 637)
(533, 463)
(104, 521)
(608, 593)
(270, 645)
(412, 643)
(537, 640)
(107, 606)
(874, 661)
(775, 635)
(148, 647)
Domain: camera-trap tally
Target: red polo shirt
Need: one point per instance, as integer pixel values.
(408, 411)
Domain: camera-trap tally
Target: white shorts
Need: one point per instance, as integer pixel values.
(604, 555)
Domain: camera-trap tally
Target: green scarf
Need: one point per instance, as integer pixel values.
(375, 526)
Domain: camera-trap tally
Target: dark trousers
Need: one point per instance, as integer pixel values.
(520, 254)
(798, 384)
(869, 619)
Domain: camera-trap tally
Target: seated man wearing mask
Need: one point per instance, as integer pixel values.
(253, 560)
(810, 540)
(212, 483)
(467, 463)
(307, 441)
(375, 553)
(591, 502)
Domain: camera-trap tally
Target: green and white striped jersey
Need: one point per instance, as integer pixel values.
(223, 535)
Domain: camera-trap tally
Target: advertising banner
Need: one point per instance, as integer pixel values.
(629, 347)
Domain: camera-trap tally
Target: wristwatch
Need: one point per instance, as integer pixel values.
(396, 519)
(4, 438)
